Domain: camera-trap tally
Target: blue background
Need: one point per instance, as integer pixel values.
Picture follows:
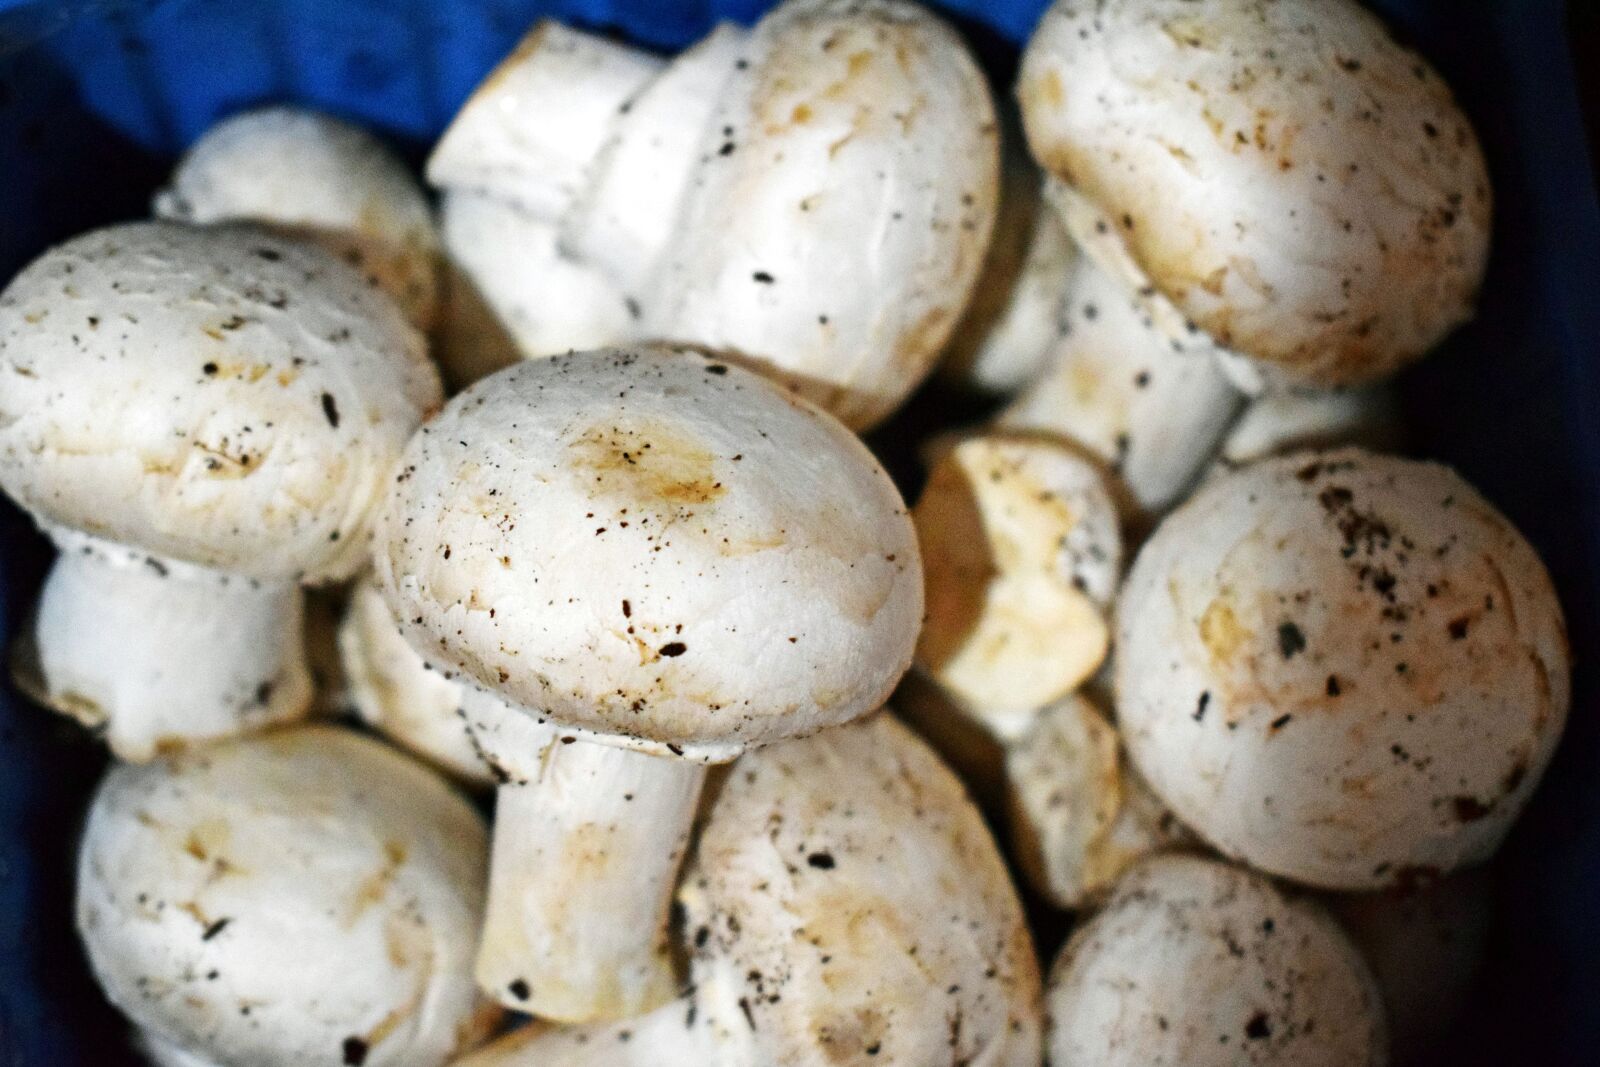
(96, 96)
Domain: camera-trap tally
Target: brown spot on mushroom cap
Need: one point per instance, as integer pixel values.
(647, 464)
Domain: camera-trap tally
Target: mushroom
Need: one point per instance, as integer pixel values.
(1014, 319)
(623, 223)
(1148, 408)
(202, 419)
(1079, 815)
(637, 562)
(1426, 947)
(1023, 553)
(846, 905)
(725, 195)
(1293, 420)
(313, 176)
(396, 693)
(529, 135)
(511, 293)
(1197, 962)
(838, 217)
(1295, 186)
(309, 896)
(1342, 668)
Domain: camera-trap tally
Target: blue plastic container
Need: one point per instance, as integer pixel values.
(97, 96)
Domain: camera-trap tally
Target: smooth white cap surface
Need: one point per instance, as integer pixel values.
(314, 177)
(847, 905)
(1200, 964)
(1295, 182)
(655, 547)
(308, 897)
(219, 396)
(843, 208)
(1342, 668)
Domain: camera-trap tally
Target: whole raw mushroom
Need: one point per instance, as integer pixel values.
(314, 177)
(637, 562)
(1201, 963)
(837, 224)
(308, 897)
(203, 420)
(1280, 179)
(1342, 668)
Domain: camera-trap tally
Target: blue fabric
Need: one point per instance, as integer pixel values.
(97, 95)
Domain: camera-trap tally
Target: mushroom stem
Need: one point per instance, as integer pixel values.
(588, 841)
(162, 654)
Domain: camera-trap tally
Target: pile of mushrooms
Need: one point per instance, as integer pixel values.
(1248, 693)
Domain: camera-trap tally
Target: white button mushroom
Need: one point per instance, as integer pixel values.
(1079, 814)
(623, 222)
(1426, 947)
(395, 692)
(839, 216)
(1343, 668)
(1004, 340)
(1149, 409)
(1023, 552)
(1282, 176)
(511, 293)
(530, 133)
(846, 905)
(202, 419)
(665, 559)
(313, 176)
(308, 897)
(1198, 963)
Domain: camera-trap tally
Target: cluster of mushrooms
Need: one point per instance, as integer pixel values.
(1240, 689)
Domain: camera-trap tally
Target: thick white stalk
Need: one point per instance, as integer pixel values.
(162, 654)
(588, 841)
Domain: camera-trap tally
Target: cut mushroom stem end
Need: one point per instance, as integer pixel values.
(102, 649)
(587, 848)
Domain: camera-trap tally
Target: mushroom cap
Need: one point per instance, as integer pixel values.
(511, 293)
(396, 693)
(1342, 668)
(654, 547)
(848, 906)
(529, 134)
(1079, 814)
(1147, 406)
(1296, 183)
(836, 242)
(1023, 553)
(219, 396)
(310, 896)
(1227, 971)
(314, 176)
